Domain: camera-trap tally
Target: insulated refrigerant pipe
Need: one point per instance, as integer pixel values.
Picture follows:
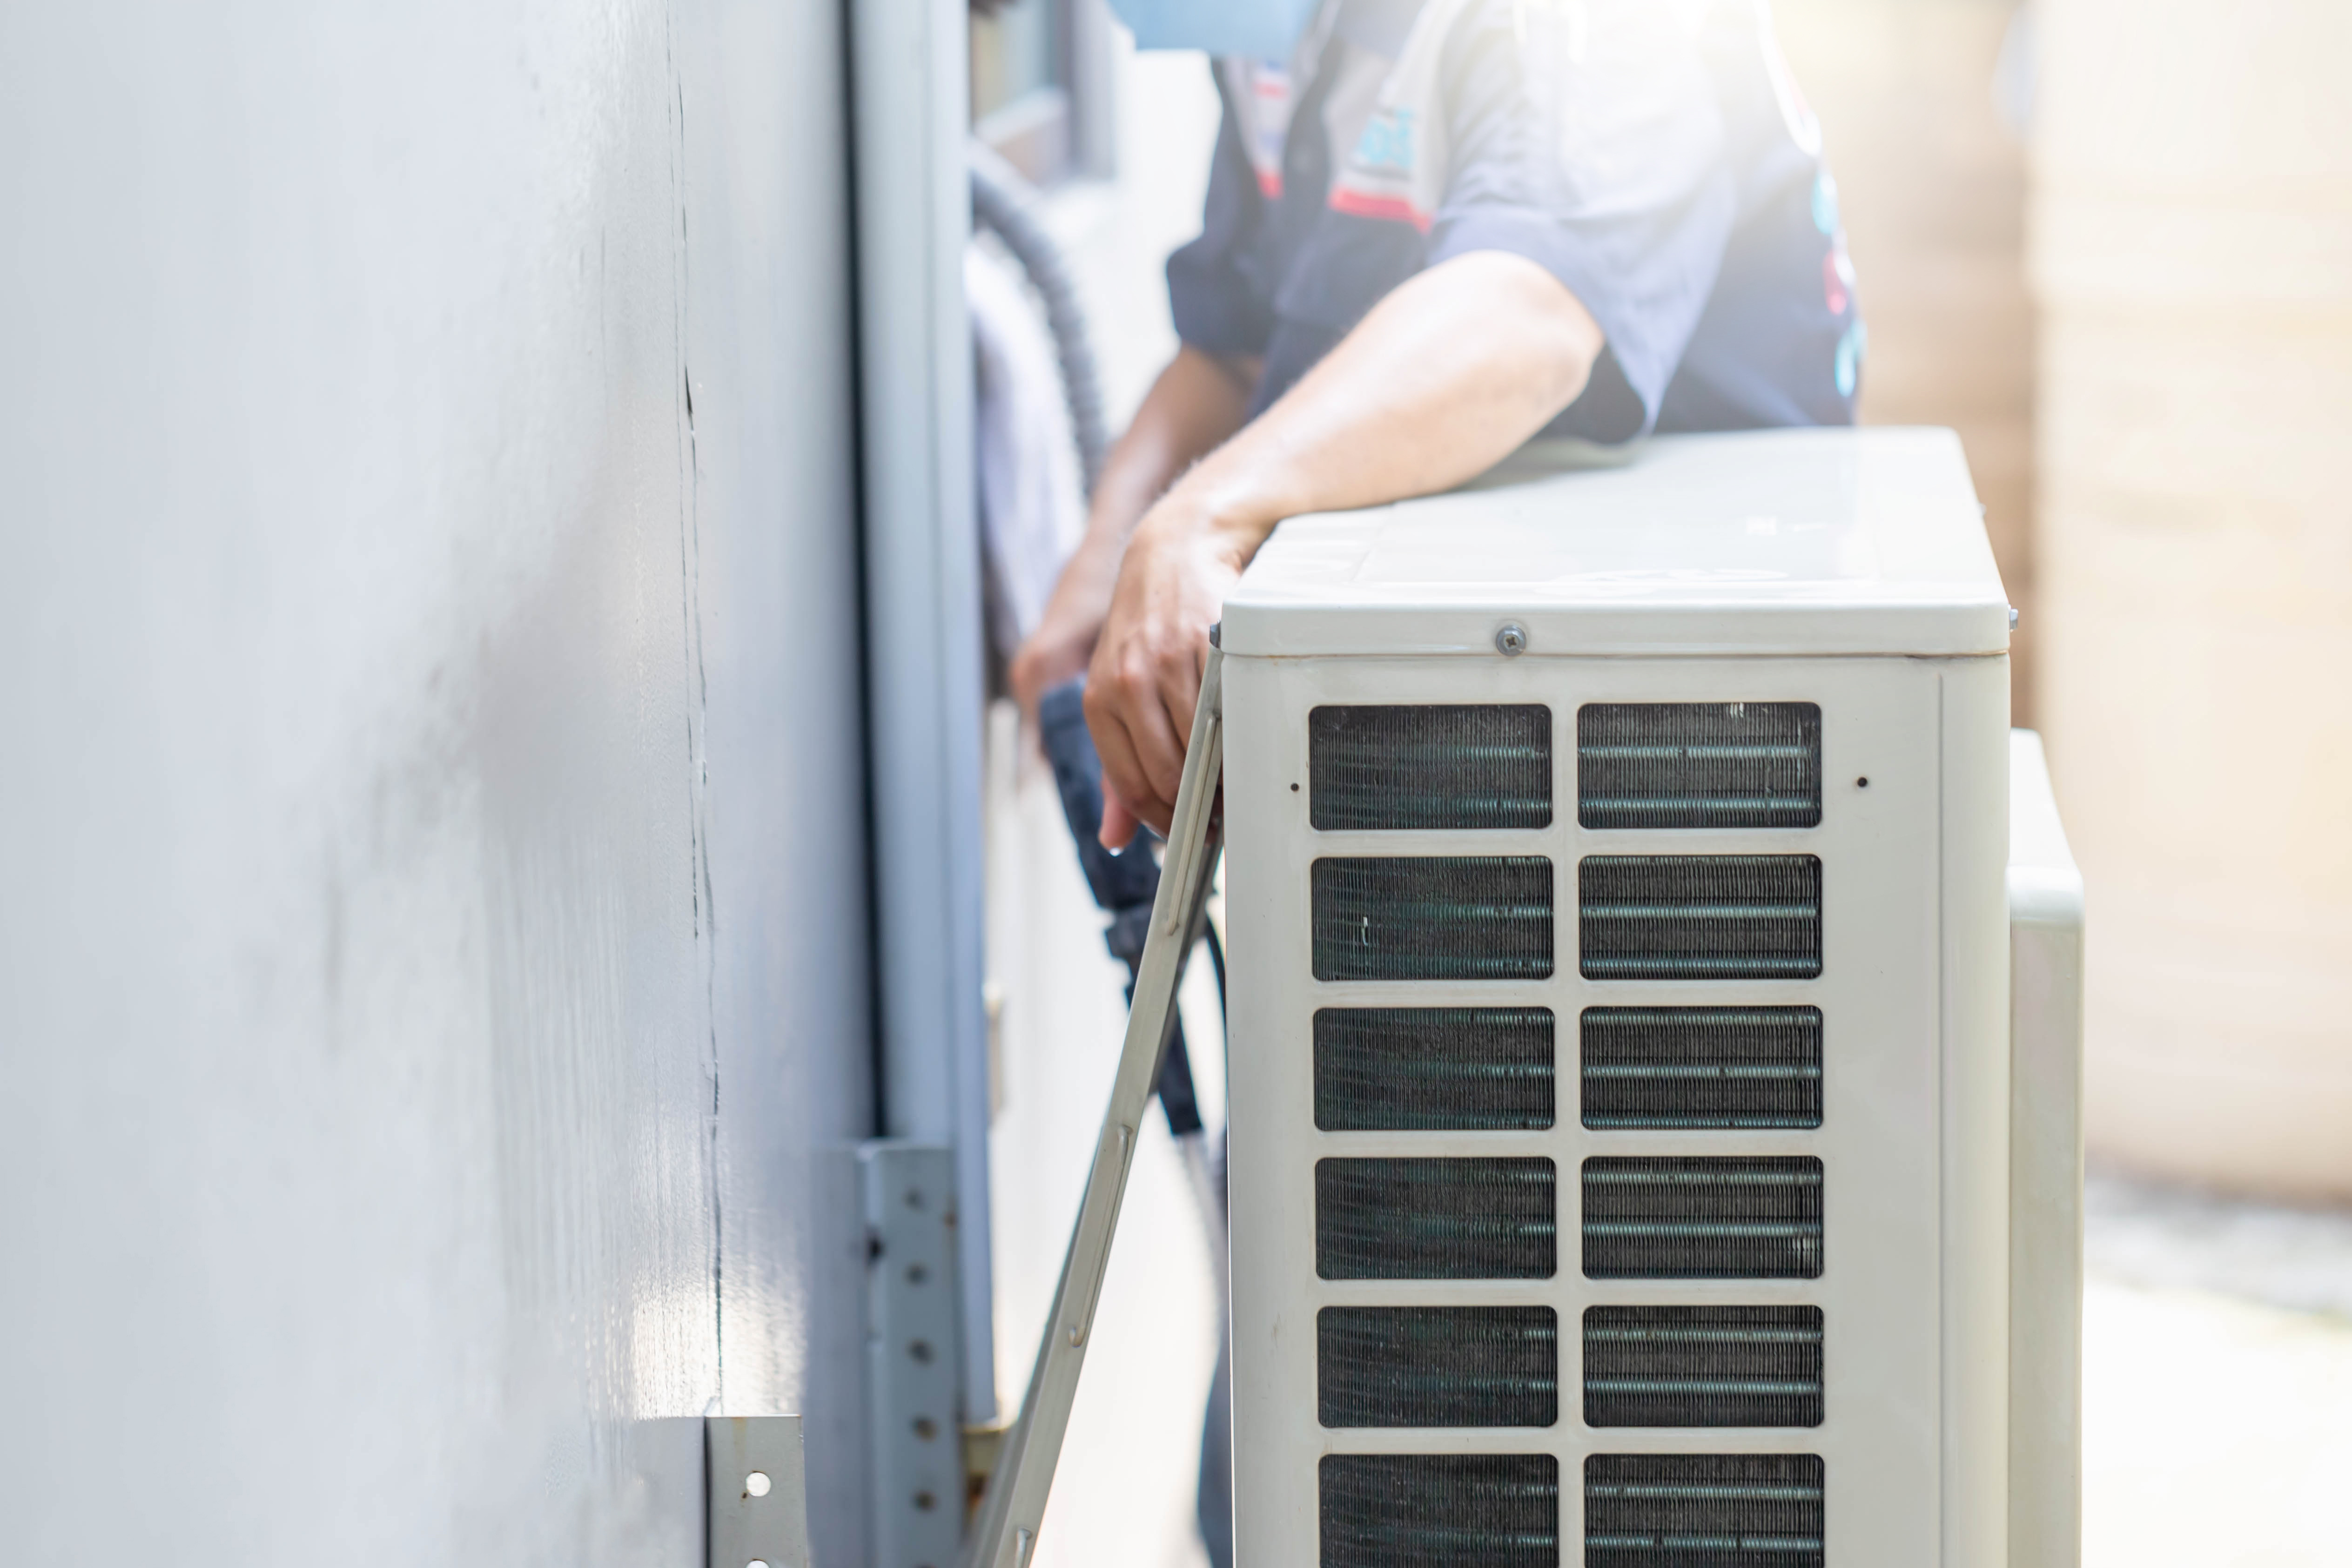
(1006, 205)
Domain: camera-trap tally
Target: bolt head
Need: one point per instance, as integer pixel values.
(1512, 640)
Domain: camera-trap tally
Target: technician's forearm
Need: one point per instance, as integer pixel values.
(1443, 378)
(1193, 407)
(1196, 405)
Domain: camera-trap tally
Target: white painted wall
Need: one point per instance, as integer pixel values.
(429, 776)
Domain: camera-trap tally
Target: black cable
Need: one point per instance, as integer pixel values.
(1006, 205)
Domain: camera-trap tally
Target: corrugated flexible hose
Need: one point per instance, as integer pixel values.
(1006, 205)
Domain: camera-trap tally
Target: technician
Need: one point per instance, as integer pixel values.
(1435, 228)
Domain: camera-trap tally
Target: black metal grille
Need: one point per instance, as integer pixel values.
(1700, 1067)
(1437, 917)
(1390, 1069)
(1697, 917)
(1702, 1366)
(1717, 1219)
(1698, 765)
(1429, 767)
(1437, 1366)
(1461, 1510)
(1436, 1220)
(1703, 1511)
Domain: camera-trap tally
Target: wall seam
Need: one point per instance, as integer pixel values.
(703, 892)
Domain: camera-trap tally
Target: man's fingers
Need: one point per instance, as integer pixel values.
(1118, 824)
(1158, 753)
(1179, 695)
(1123, 777)
(1145, 680)
(1153, 764)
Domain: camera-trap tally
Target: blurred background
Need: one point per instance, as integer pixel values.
(2109, 243)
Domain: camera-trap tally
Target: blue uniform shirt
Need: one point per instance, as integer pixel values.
(1653, 155)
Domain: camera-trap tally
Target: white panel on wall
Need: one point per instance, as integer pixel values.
(433, 969)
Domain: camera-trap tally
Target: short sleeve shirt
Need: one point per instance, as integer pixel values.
(1653, 155)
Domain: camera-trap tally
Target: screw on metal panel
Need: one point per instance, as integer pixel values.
(1512, 640)
(2012, 617)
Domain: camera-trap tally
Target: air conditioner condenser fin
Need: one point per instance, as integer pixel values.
(1699, 917)
(1433, 918)
(1703, 1218)
(1464, 1511)
(1437, 1366)
(1702, 1366)
(1703, 1511)
(1430, 767)
(1454, 1069)
(1653, 1068)
(1698, 765)
(1436, 1220)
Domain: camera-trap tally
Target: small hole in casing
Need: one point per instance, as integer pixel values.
(1862, 784)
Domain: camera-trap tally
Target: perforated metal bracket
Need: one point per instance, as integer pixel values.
(758, 1492)
(918, 1497)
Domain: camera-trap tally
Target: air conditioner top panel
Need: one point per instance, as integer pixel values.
(1772, 542)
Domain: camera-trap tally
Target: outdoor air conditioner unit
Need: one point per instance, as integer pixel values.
(1623, 1163)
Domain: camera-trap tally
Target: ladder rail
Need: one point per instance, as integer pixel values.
(1014, 1504)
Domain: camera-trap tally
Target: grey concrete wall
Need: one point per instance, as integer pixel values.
(432, 971)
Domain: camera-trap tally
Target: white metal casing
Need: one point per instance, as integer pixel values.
(1801, 543)
(1846, 569)
(2045, 1246)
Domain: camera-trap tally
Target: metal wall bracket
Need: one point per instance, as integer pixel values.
(912, 1378)
(757, 1498)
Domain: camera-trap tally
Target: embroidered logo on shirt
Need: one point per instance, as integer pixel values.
(1389, 120)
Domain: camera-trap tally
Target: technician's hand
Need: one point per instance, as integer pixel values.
(1198, 402)
(1144, 678)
